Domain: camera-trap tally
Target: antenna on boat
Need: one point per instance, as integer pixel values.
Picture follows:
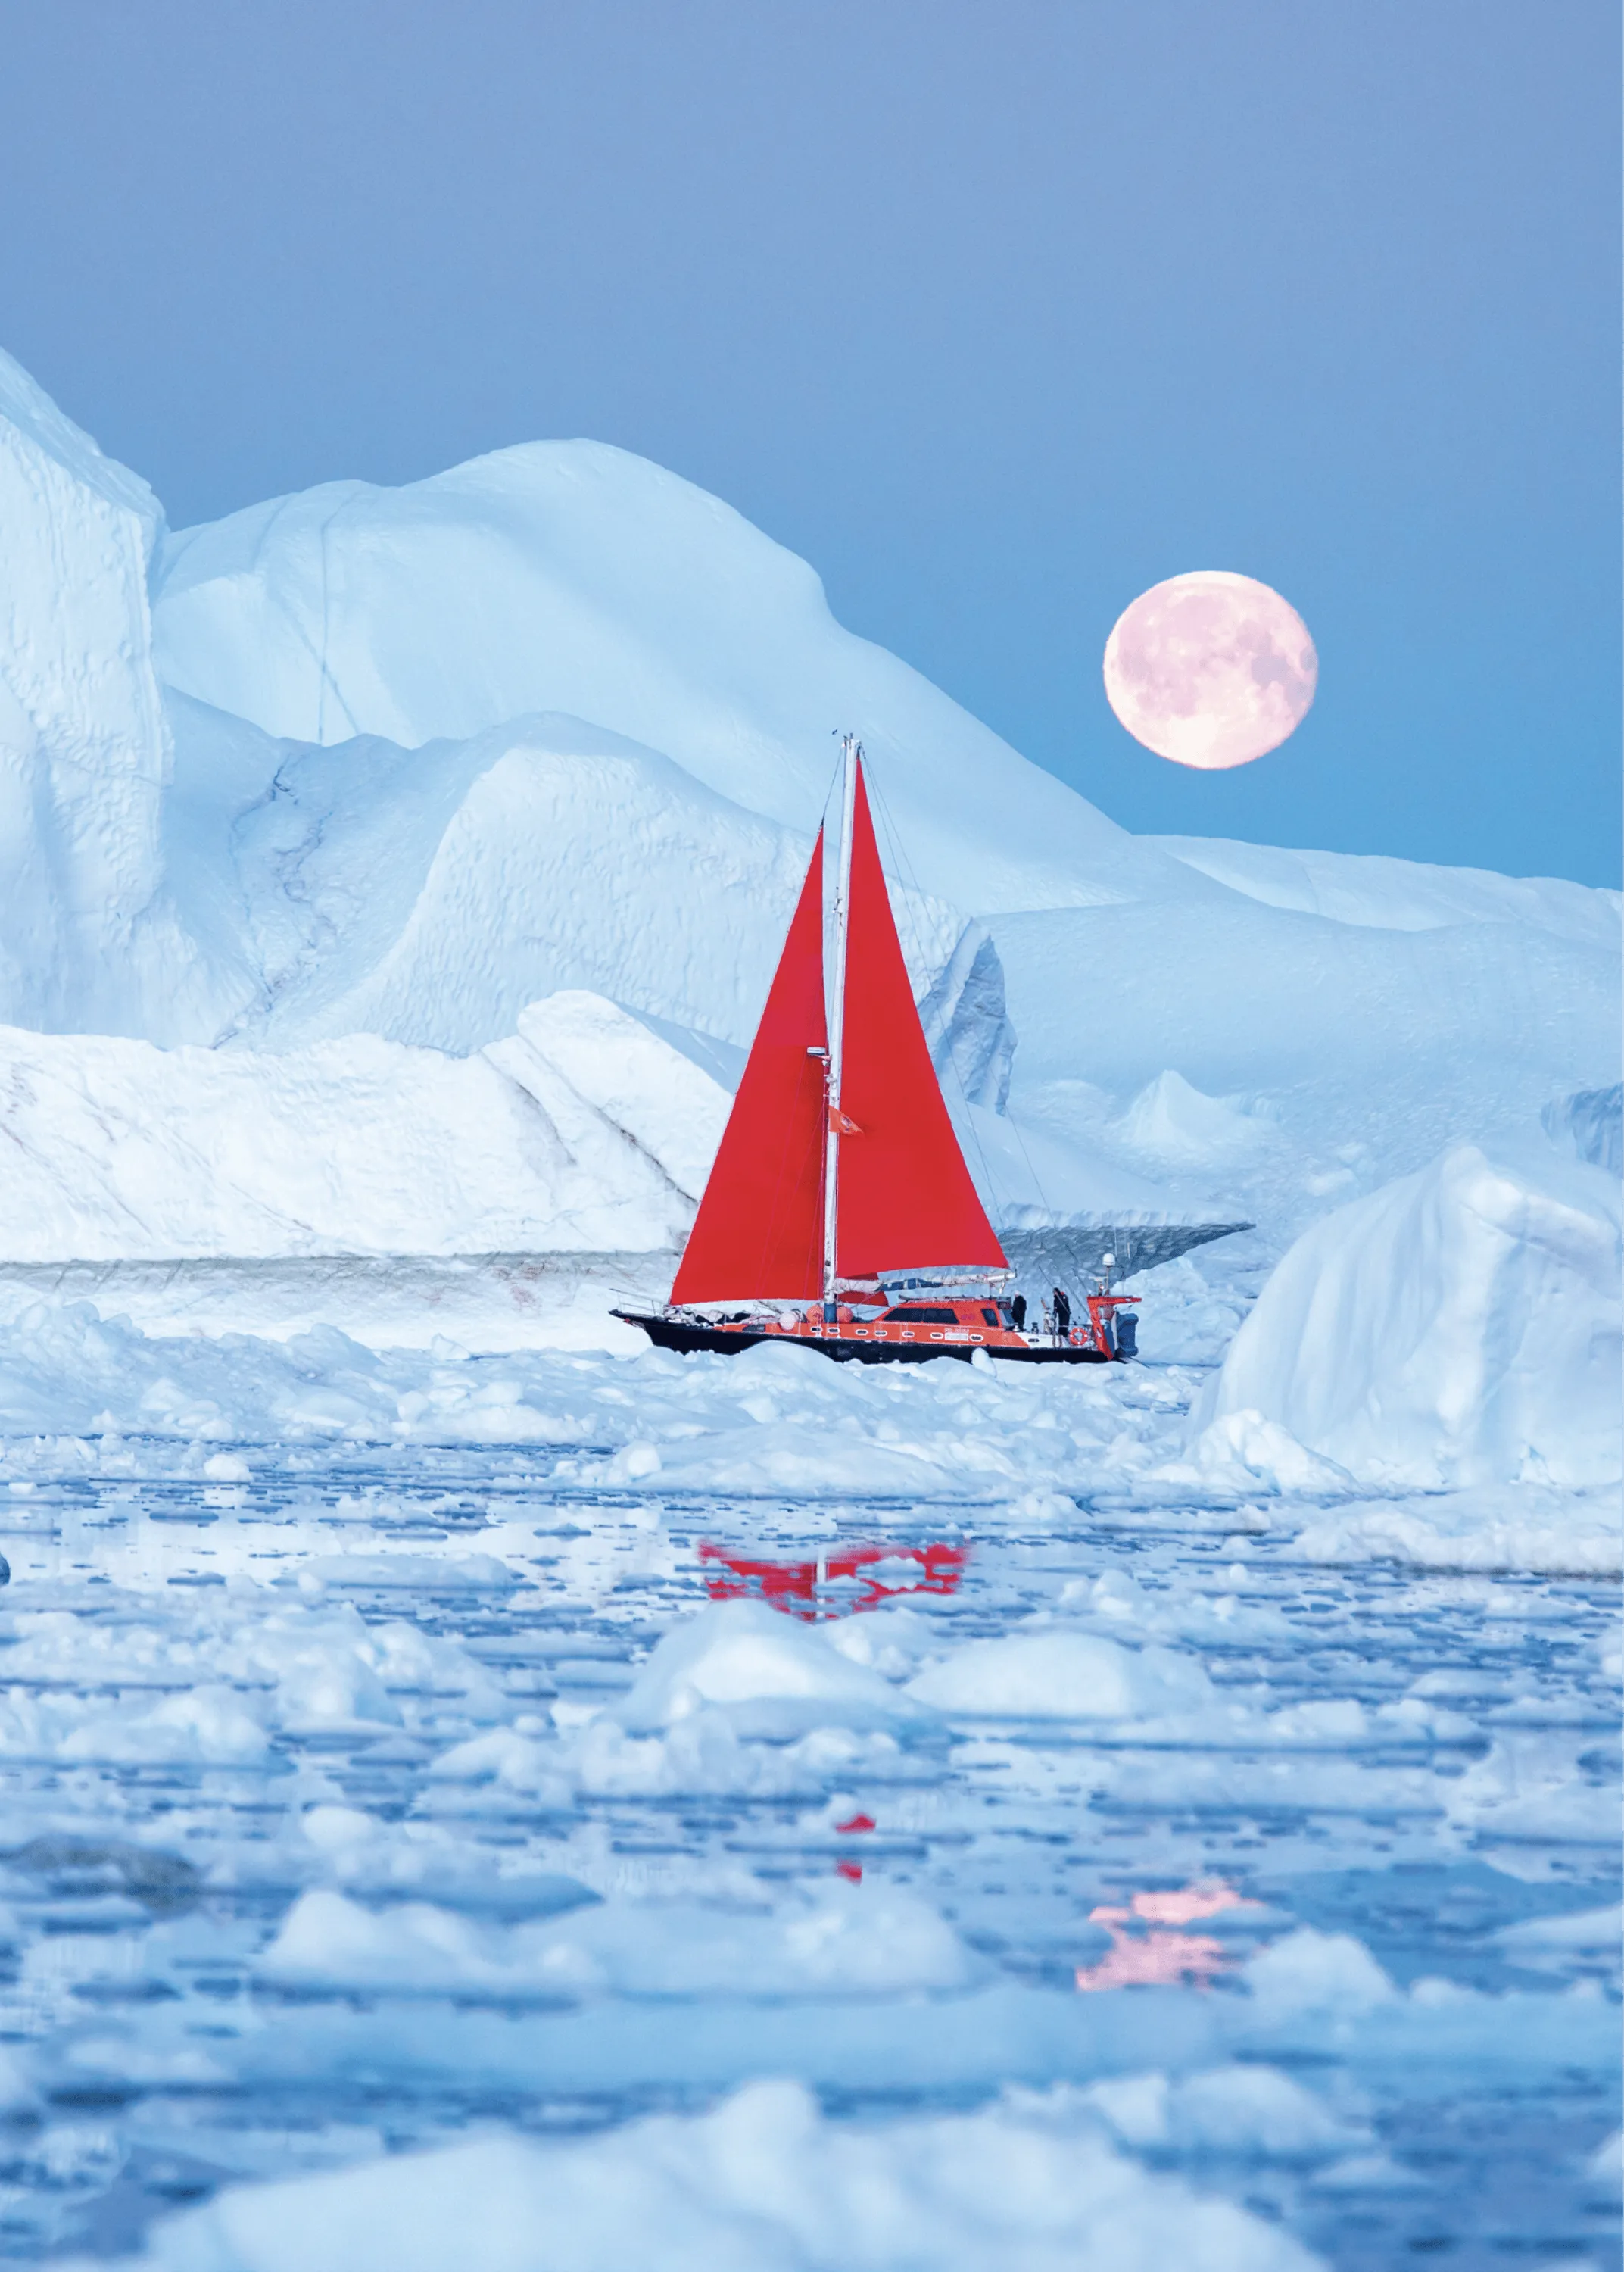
(851, 758)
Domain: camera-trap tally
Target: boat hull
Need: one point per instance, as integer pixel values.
(727, 1340)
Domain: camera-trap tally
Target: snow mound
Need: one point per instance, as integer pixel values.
(1459, 1327)
(766, 2183)
(1062, 1676)
(585, 1132)
(770, 1674)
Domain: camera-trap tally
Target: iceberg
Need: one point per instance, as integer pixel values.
(401, 763)
(1460, 1326)
(84, 752)
(572, 577)
(585, 1132)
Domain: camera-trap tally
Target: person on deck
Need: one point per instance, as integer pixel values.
(1017, 1311)
(1063, 1314)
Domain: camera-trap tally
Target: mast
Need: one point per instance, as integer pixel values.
(851, 758)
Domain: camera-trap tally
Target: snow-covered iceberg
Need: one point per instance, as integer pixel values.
(1460, 1326)
(572, 577)
(583, 1131)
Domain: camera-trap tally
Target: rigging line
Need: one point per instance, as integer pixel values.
(899, 860)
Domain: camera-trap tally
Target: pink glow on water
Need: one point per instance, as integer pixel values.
(1161, 1958)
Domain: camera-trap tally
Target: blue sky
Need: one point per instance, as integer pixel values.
(997, 314)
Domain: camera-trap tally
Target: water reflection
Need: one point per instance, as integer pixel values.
(1164, 1956)
(840, 1582)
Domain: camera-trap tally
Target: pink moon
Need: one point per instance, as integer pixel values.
(1211, 669)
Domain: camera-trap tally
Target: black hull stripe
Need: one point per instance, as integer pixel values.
(668, 1333)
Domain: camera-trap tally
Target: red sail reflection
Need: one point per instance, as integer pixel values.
(1161, 1957)
(868, 1578)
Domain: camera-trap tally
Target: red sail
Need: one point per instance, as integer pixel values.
(759, 1232)
(906, 1194)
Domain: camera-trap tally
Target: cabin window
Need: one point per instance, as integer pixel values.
(919, 1313)
(989, 1316)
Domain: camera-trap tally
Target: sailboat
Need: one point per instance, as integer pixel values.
(840, 1213)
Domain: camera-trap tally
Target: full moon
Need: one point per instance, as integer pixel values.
(1211, 669)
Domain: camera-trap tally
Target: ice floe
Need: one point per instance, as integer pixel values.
(763, 2184)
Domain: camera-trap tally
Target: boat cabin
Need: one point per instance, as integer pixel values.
(956, 1322)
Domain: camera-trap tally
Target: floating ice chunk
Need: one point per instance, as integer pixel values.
(633, 1463)
(413, 1947)
(839, 1939)
(836, 1939)
(340, 1831)
(1063, 1676)
(505, 1757)
(403, 1571)
(1244, 1452)
(1250, 2111)
(774, 1675)
(1376, 2173)
(1553, 1940)
(892, 1640)
(1317, 1972)
(213, 1725)
(765, 2184)
(1495, 1527)
(1115, 1603)
(704, 1754)
(1526, 1788)
(1605, 2167)
(18, 2094)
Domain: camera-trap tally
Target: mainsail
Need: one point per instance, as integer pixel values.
(865, 1137)
(758, 1234)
